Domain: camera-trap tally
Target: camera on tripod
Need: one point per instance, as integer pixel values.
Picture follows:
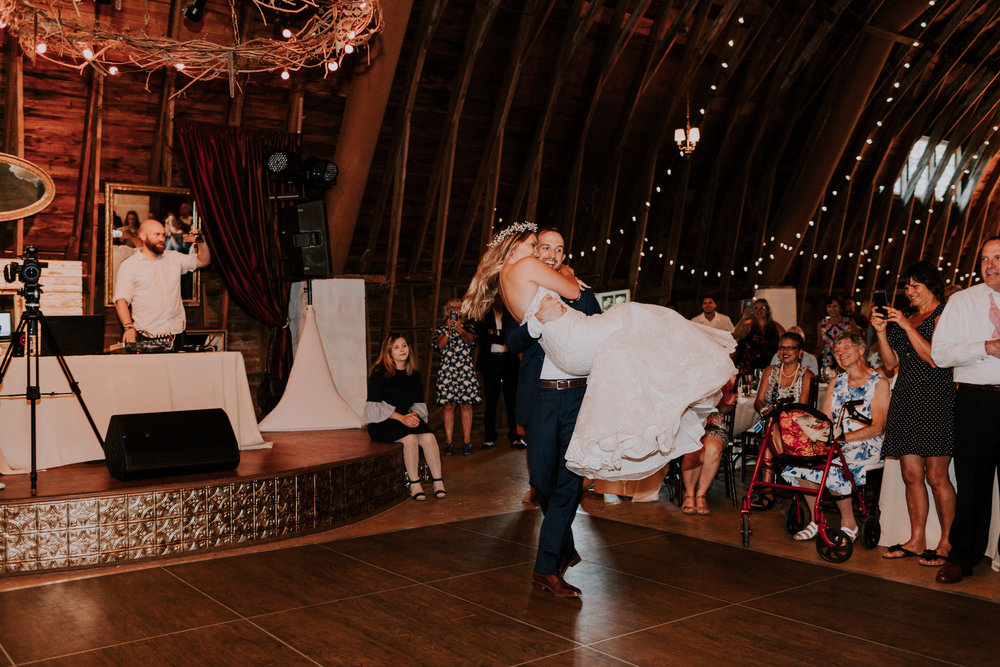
(29, 271)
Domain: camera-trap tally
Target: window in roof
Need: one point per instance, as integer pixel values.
(912, 170)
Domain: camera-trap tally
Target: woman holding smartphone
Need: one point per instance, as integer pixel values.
(456, 379)
(920, 424)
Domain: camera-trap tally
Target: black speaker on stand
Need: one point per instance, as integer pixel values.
(302, 232)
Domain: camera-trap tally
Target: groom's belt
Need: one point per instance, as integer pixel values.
(562, 384)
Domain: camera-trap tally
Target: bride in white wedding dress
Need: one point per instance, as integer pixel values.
(654, 375)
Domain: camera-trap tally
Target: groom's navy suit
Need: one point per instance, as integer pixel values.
(548, 417)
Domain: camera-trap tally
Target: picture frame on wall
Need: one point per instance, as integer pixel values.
(607, 300)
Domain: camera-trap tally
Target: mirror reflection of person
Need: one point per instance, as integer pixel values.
(147, 292)
(129, 230)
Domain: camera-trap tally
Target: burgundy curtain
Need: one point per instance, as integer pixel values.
(231, 188)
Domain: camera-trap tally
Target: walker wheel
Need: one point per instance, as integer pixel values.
(840, 549)
(871, 531)
(794, 519)
(745, 528)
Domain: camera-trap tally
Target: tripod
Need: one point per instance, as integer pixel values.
(29, 324)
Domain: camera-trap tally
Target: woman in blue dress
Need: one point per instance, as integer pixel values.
(861, 442)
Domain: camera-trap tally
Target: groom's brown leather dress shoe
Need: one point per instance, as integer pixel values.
(554, 584)
(565, 565)
(952, 573)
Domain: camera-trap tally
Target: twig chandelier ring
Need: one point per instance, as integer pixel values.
(58, 31)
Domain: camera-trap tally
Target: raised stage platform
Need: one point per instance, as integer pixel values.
(82, 517)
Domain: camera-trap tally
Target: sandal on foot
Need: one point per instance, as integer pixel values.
(467, 449)
(419, 495)
(852, 533)
(762, 503)
(449, 449)
(807, 533)
(702, 505)
(901, 550)
(689, 507)
(931, 558)
(439, 493)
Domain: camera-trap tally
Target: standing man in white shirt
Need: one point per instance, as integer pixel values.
(967, 338)
(148, 286)
(709, 316)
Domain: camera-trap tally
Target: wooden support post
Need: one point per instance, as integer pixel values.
(14, 116)
(359, 131)
(96, 222)
(83, 181)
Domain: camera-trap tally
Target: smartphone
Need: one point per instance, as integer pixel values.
(453, 315)
(880, 301)
(745, 305)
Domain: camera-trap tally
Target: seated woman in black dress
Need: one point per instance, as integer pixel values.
(396, 412)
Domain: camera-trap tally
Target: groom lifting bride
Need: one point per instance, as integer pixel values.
(653, 377)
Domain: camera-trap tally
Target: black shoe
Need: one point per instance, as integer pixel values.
(419, 495)
(440, 493)
(489, 444)
(519, 444)
(467, 449)
(449, 449)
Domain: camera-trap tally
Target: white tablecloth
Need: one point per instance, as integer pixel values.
(117, 384)
(895, 520)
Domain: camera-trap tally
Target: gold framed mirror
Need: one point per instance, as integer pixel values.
(25, 188)
(125, 207)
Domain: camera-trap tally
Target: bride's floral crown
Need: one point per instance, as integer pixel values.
(516, 228)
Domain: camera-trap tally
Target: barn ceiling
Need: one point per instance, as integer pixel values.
(563, 112)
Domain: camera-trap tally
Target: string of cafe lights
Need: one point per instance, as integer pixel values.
(891, 95)
(58, 31)
(756, 269)
(647, 246)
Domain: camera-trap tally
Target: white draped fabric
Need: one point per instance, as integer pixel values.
(311, 400)
(117, 384)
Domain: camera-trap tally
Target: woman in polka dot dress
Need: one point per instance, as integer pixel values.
(920, 426)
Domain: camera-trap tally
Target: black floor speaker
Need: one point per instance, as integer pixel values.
(158, 444)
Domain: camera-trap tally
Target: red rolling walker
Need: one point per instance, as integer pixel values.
(833, 546)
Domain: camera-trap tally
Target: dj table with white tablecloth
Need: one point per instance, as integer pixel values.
(116, 384)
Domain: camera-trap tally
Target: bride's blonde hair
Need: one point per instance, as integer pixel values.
(485, 284)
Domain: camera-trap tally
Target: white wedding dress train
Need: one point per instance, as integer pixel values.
(654, 378)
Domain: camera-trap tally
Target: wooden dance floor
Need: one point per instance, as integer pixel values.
(459, 593)
(308, 481)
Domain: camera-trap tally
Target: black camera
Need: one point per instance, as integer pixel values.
(29, 271)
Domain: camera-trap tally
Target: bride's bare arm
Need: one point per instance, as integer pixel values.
(533, 270)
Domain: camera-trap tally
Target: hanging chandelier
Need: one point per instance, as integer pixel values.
(687, 137)
(71, 34)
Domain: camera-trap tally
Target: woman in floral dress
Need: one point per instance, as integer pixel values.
(456, 379)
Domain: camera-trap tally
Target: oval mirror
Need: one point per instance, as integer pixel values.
(25, 188)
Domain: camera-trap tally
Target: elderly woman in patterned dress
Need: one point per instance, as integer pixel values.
(456, 379)
(861, 442)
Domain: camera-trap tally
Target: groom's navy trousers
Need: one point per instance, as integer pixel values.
(548, 417)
